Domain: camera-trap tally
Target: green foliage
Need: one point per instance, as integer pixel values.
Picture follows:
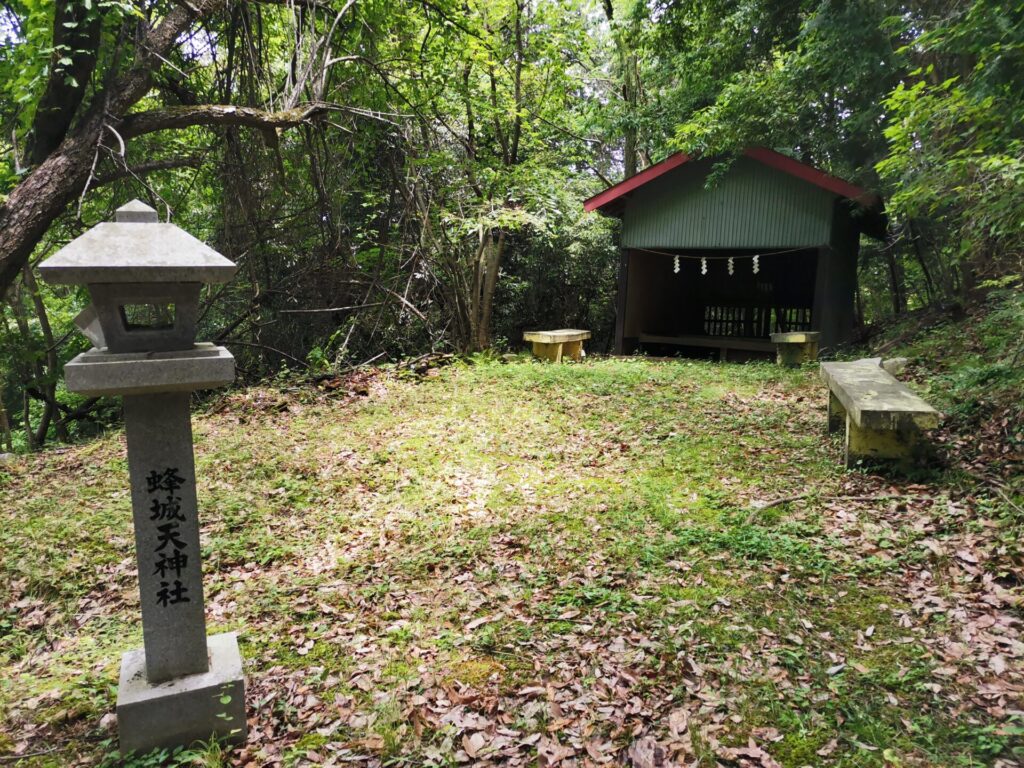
(462, 140)
(922, 103)
(955, 142)
(564, 279)
(979, 366)
(208, 755)
(459, 128)
(809, 81)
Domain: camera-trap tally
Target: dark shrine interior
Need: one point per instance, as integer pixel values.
(693, 313)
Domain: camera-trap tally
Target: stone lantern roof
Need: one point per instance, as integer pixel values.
(124, 252)
(145, 280)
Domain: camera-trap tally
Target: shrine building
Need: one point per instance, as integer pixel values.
(720, 263)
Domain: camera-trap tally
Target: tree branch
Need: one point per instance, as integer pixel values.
(76, 37)
(146, 168)
(37, 200)
(140, 123)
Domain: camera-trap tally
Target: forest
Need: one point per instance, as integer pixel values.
(397, 179)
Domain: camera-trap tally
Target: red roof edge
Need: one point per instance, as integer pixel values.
(808, 173)
(603, 200)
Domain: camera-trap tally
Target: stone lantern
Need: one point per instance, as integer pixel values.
(144, 280)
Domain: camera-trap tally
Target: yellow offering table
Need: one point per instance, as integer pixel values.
(554, 345)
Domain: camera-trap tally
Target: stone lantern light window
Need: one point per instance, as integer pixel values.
(144, 281)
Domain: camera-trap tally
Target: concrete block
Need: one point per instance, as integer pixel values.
(796, 347)
(125, 252)
(558, 351)
(88, 322)
(863, 444)
(135, 212)
(556, 345)
(874, 398)
(186, 709)
(110, 300)
(796, 337)
(895, 365)
(836, 414)
(554, 337)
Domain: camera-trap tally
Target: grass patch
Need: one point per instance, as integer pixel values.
(558, 546)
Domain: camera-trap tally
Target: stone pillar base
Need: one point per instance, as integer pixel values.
(185, 709)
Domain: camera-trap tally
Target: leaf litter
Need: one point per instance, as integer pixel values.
(588, 589)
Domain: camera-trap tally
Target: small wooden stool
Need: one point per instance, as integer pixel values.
(554, 345)
(796, 347)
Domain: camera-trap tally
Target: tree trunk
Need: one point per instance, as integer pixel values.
(6, 439)
(897, 282)
(76, 40)
(915, 241)
(5, 423)
(627, 65)
(629, 95)
(21, 321)
(48, 377)
(476, 291)
(492, 263)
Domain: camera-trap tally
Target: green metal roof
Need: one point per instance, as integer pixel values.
(751, 206)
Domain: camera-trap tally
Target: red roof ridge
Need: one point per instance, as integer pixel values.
(763, 155)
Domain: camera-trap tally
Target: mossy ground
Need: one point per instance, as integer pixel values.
(569, 553)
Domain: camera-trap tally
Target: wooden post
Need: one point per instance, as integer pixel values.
(620, 301)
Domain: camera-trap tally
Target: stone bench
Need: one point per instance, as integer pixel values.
(883, 418)
(796, 347)
(554, 345)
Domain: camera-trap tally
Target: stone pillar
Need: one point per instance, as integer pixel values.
(163, 481)
(181, 687)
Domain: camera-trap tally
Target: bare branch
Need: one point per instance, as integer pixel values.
(328, 310)
(147, 168)
(140, 123)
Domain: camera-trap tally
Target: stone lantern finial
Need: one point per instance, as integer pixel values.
(135, 212)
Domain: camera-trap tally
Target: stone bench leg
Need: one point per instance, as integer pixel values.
(836, 414)
(545, 351)
(792, 355)
(555, 351)
(900, 445)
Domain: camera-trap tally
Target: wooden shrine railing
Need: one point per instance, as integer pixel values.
(754, 321)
